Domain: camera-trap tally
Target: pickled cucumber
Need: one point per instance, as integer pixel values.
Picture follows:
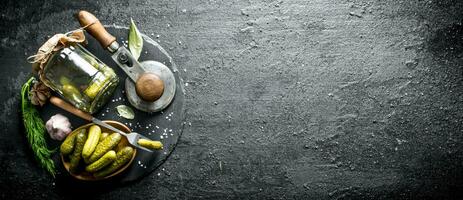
(64, 80)
(120, 146)
(123, 156)
(70, 91)
(94, 133)
(68, 145)
(102, 137)
(107, 159)
(150, 144)
(107, 144)
(93, 89)
(76, 154)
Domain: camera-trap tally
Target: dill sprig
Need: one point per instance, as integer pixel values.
(35, 129)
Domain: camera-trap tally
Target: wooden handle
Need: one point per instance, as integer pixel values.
(95, 28)
(70, 108)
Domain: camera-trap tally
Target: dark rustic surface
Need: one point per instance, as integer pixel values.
(325, 99)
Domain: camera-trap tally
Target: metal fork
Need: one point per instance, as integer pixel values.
(131, 137)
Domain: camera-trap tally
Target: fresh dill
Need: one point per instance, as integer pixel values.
(35, 129)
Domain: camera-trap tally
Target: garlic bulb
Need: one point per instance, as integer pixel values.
(58, 126)
(39, 93)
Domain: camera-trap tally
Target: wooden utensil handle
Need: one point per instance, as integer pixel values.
(70, 108)
(95, 28)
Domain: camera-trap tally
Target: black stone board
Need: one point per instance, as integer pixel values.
(166, 126)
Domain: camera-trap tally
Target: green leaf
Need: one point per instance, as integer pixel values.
(125, 112)
(135, 40)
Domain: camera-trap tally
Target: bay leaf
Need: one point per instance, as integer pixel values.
(135, 40)
(125, 111)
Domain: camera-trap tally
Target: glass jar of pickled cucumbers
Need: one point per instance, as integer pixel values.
(80, 78)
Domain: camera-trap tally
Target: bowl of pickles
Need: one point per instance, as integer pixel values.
(92, 153)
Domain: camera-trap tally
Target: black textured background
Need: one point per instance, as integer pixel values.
(287, 99)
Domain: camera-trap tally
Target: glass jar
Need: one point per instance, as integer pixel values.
(80, 78)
